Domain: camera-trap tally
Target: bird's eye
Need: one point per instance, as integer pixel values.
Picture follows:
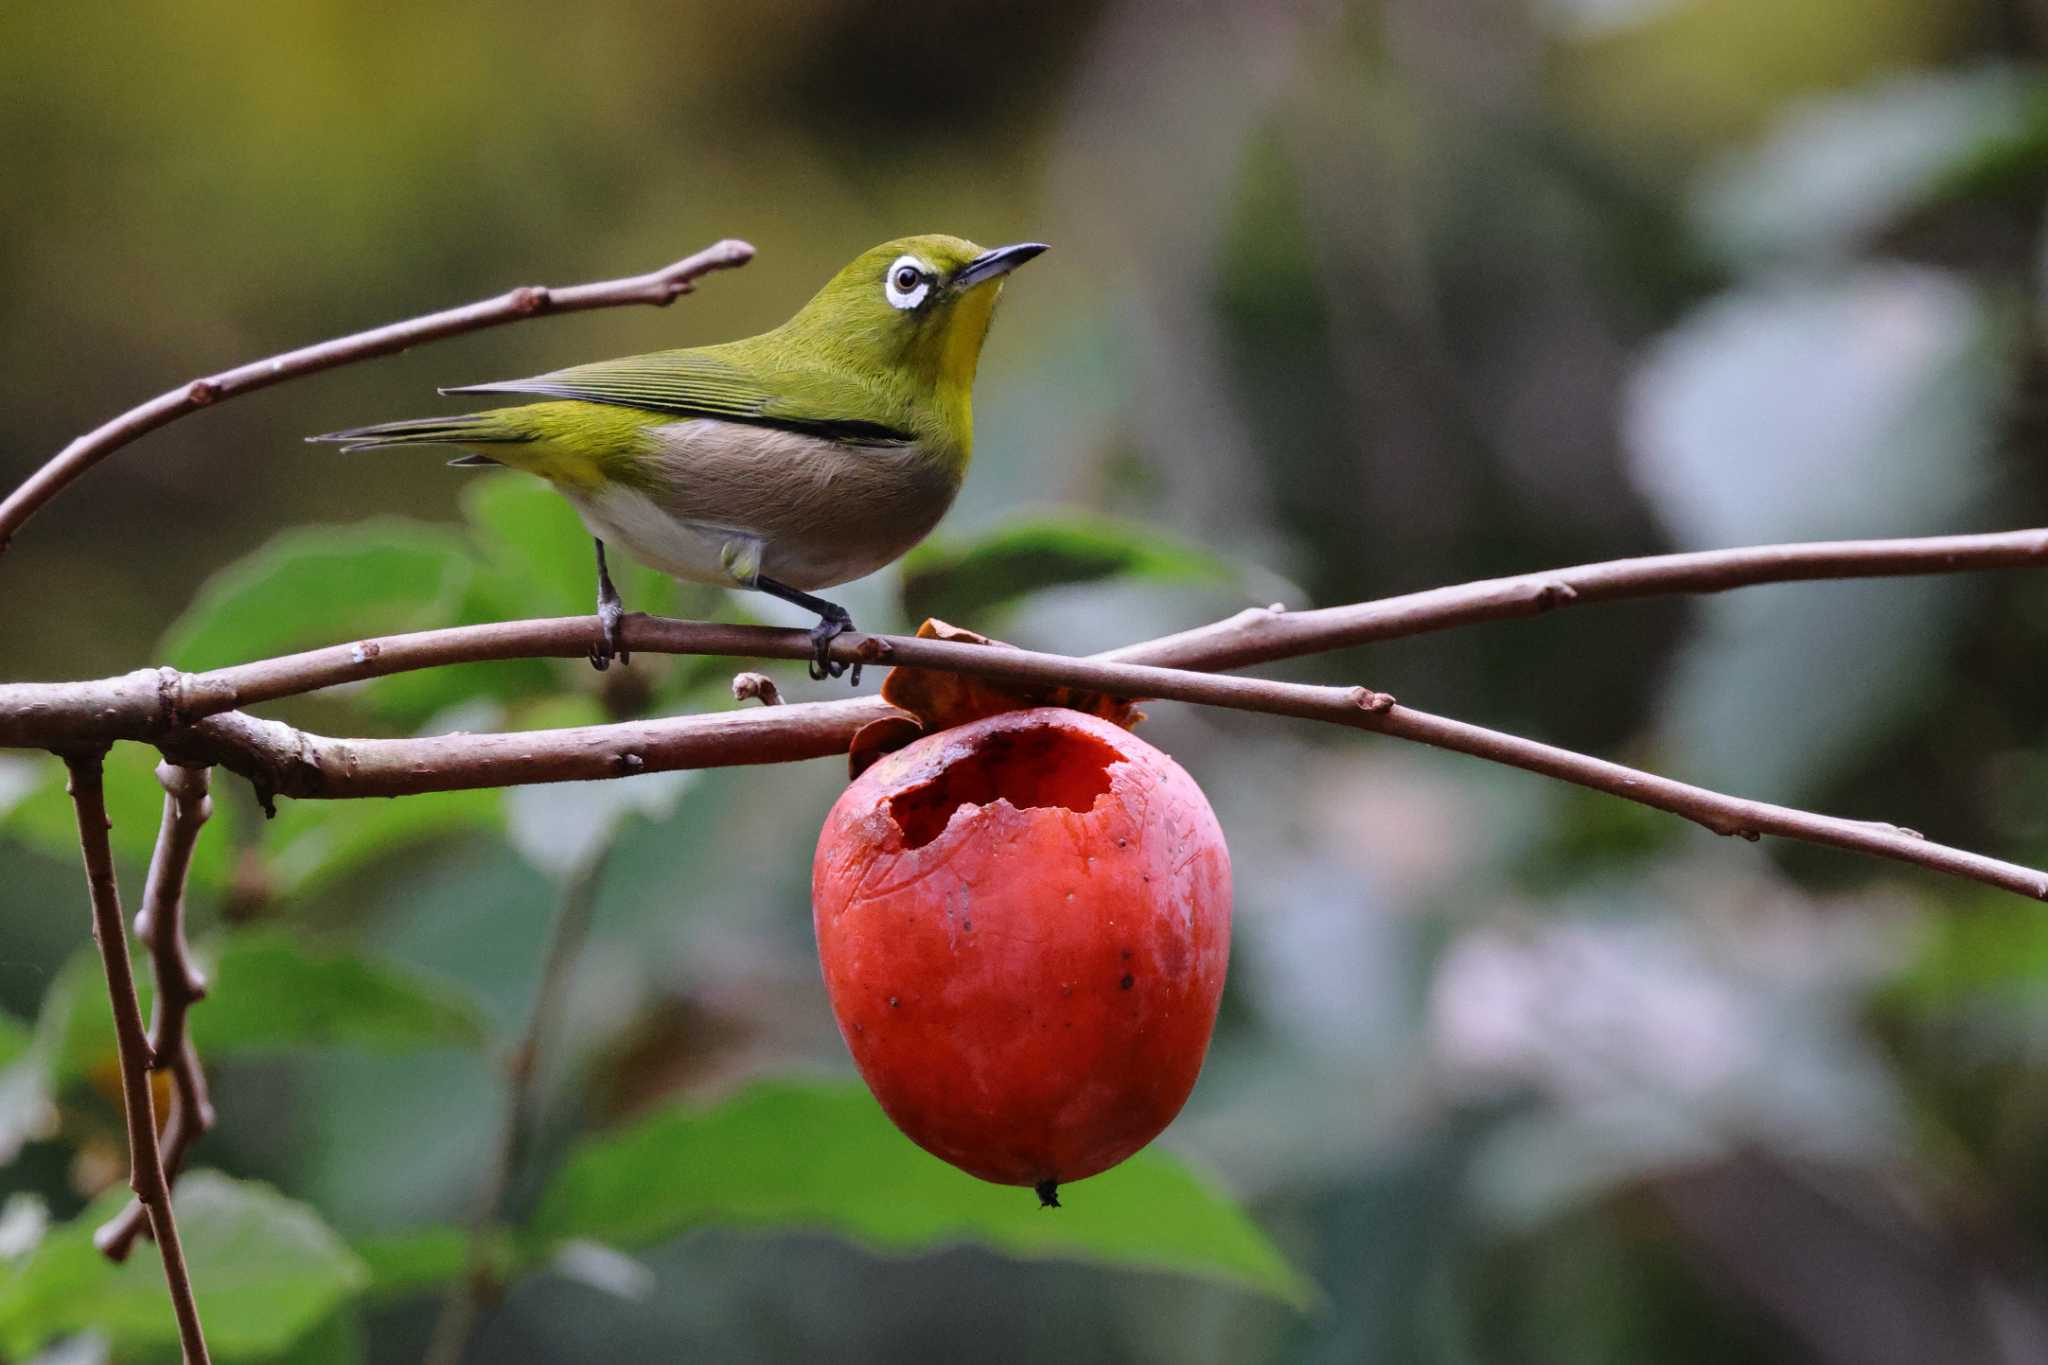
(908, 282)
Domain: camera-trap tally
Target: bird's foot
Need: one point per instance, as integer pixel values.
(831, 625)
(609, 647)
(610, 612)
(833, 622)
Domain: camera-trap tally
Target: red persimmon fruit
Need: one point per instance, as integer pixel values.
(1024, 924)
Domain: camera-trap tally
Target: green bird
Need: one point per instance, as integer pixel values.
(795, 460)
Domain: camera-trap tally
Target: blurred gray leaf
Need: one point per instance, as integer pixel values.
(87, 1348)
(24, 1218)
(27, 1113)
(1592, 20)
(1649, 1044)
(1839, 170)
(1860, 405)
(19, 775)
(603, 1268)
(560, 826)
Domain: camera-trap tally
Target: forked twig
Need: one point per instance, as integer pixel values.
(180, 985)
(146, 1165)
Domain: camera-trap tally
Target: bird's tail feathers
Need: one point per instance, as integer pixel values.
(477, 428)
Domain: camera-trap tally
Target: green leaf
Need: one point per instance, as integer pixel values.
(273, 990)
(966, 582)
(75, 1028)
(311, 844)
(321, 585)
(265, 1269)
(15, 1037)
(44, 818)
(794, 1156)
(337, 1341)
(1983, 955)
(413, 1260)
(270, 991)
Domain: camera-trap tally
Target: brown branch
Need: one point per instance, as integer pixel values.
(190, 716)
(1262, 634)
(658, 287)
(145, 1168)
(160, 924)
(152, 702)
(282, 760)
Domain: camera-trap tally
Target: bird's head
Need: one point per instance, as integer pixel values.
(911, 314)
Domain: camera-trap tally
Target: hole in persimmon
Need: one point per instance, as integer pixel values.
(1037, 768)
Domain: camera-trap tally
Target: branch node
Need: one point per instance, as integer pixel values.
(629, 763)
(756, 687)
(1365, 699)
(1555, 593)
(201, 392)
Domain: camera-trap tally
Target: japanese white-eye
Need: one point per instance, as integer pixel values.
(794, 460)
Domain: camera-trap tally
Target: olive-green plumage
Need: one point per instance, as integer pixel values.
(797, 459)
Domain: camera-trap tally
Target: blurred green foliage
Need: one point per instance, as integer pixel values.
(1346, 300)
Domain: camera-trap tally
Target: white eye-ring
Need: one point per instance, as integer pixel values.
(907, 282)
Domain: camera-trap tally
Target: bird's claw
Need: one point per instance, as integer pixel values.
(609, 616)
(823, 665)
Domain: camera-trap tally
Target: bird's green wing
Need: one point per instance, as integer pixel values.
(701, 383)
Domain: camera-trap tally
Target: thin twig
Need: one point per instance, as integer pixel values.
(146, 1167)
(656, 287)
(1262, 634)
(160, 924)
(290, 762)
(480, 1284)
(150, 702)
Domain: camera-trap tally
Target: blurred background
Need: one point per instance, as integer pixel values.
(1345, 300)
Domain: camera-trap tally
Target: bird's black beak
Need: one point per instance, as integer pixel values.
(993, 265)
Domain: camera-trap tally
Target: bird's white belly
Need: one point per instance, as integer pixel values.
(753, 500)
(681, 549)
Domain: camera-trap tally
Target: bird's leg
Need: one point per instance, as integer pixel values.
(610, 611)
(833, 622)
